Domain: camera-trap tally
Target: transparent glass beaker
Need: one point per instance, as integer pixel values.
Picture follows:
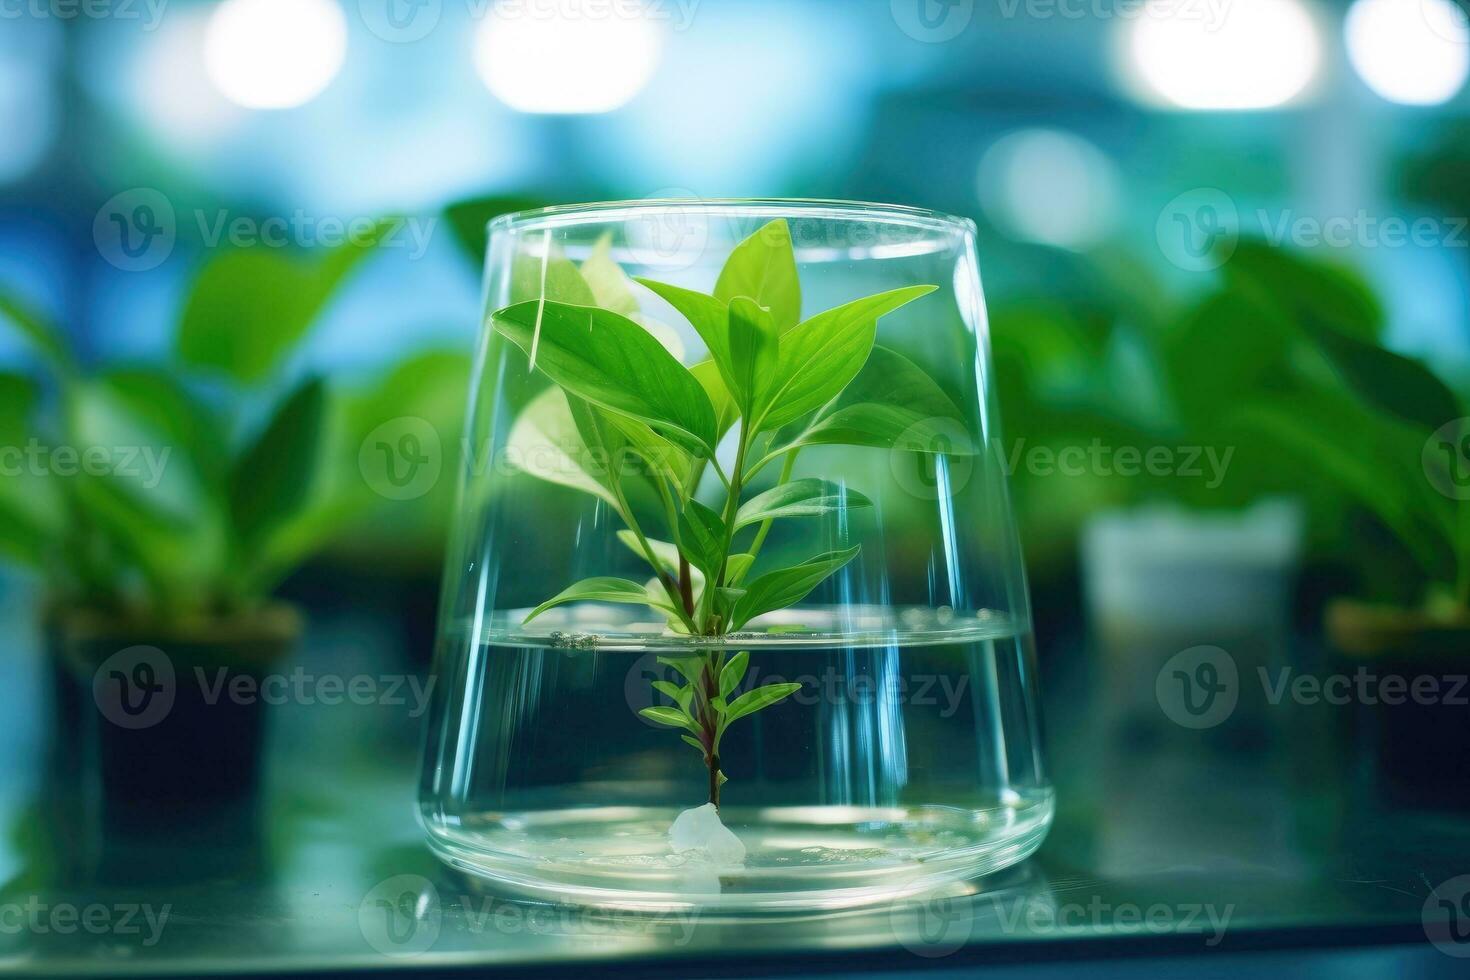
(818, 694)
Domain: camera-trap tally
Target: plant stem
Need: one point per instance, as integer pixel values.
(626, 513)
(765, 528)
(686, 585)
(732, 503)
(710, 723)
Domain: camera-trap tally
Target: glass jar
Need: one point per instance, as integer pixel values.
(818, 694)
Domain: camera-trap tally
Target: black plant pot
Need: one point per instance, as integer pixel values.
(173, 726)
(1417, 739)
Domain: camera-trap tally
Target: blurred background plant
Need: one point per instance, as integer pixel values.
(189, 488)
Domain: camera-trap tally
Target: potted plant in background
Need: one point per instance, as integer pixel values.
(163, 505)
(1386, 434)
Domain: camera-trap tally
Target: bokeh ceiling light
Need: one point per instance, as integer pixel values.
(548, 56)
(170, 86)
(1246, 54)
(1416, 52)
(275, 54)
(1049, 186)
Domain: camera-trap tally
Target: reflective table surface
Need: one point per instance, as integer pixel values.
(1217, 852)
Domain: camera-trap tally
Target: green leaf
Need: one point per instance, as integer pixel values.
(763, 268)
(672, 717)
(733, 673)
(707, 373)
(702, 533)
(664, 551)
(754, 347)
(737, 565)
(194, 429)
(821, 356)
(1307, 290)
(544, 442)
(149, 503)
(249, 307)
(107, 413)
(681, 696)
(1373, 459)
(709, 317)
(274, 477)
(603, 589)
(550, 276)
(31, 515)
(787, 586)
(724, 601)
(892, 404)
(32, 326)
(610, 361)
(611, 287)
(691, 740)
(661, 332)
(1387, 381)
(1229, 343)
(663, 458)
(799, 498)
(469, 221)
(762, 697)
(689, 666)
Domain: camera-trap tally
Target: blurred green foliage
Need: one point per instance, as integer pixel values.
(218, 472)
(1281, 363)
